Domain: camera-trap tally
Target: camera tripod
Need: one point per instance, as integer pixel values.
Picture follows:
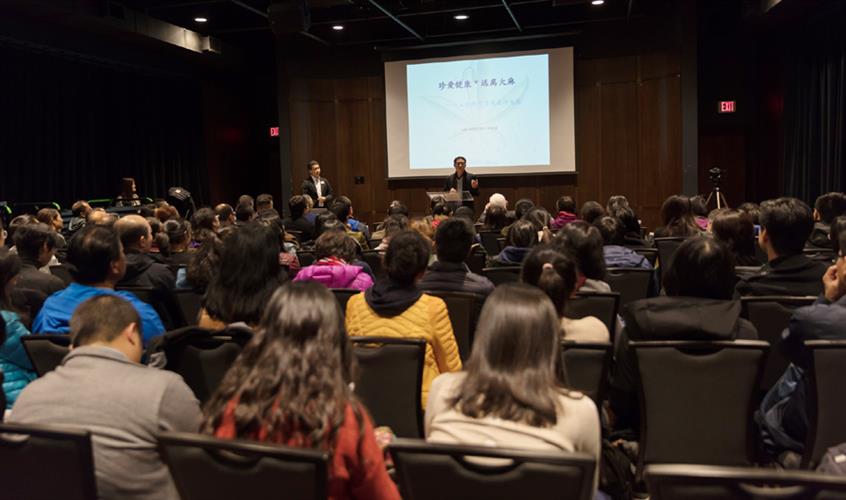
(719, 196)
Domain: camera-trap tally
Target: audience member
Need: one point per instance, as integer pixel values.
(786, 224)
(699, 210)
(616, 202)
(540, 219)
(782, 414)
(99, 217)
(555, 274)
(98, 264)
(178, 233)
(464, 212)
(15, 364)
(565, 206)
(591, 210)
(735, 230)
(225, 214)
(244, 213)
(264, 203)
(617, 255)
(160, 246)
(291, 386)
(101, 387)
(165, 211)
(248, 274)
(677, 218)
(495, 218)
(203, 265)
(141, 269)
(80, 210)
(396, 207)
(521, 208)
(699, 284)
(128, 196)
(395, 307)
(827, 207)
(35, 243)
(454, 241)
(495, 200)
(335, 251)
(632, 231)
(522, 236)
(342, 209)
(583, 244)
(510, 396)
(392, 225)
(53, 219)
(297, 221)
(247, 200)
(838, 227)
(204, 225)
(351, 221)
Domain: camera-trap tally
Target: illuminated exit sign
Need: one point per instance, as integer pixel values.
(274, 131)
(726, 106)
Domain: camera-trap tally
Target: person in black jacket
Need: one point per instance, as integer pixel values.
(317, 187)
(827, 208)
(698, 306)
(453, 240)
(141, 269)
(297, 221)
(462, 180)
(786, 224)
(35, 244)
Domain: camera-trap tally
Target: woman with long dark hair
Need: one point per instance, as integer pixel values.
(290, 386)
(14, 363)
(735, 230)
(677, 218)
(509, 394)
(582, 242)
(128, 196)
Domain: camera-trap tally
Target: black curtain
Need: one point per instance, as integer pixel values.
(815, 107)
(71, 128)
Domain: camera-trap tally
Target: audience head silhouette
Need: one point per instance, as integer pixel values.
(407, 257)
(453, 239)
(701, 267)
(553, 272)
(110, 321)
(96, 256)
(786, 224)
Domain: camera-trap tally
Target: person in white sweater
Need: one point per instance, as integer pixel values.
(509, 395)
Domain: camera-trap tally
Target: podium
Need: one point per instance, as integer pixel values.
(453, 199)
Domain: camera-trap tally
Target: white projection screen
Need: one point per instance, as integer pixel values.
(508, 113)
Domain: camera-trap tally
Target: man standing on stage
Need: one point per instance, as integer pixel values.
(317, 187)
(462, 180)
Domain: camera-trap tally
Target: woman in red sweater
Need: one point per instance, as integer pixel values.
(290, 386)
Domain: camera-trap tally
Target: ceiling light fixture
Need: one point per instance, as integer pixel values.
(338, 27)
(200, 20)
(597, 2)
(461, 17)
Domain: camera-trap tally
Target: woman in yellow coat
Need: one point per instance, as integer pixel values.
(394, 307)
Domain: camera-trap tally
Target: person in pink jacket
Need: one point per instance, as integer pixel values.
(334, 251)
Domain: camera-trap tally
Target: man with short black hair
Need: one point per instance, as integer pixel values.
(613, 237)
(566, 208)
(317, 187)
(101, 387)
(98, 264)
(141, 269)
(35, 244)
(827, 208)
(454, 240)
(244, 213)
(786, 224)
(297, 221)
(342, 209)
(225, 214)
(264, 202)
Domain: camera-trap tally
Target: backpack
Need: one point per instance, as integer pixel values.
(834, 461)
(616, 472)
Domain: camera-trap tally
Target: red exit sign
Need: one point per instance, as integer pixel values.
(726, 106)
(274, 131)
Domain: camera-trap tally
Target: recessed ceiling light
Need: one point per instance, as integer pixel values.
(597, 2)
(461, 17)
(200, 20)
(337, 27)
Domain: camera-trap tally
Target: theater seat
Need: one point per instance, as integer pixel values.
(504, 274)
(603, 306)
(46, 352)
(464, 309)
(826, 404)
(586, 366)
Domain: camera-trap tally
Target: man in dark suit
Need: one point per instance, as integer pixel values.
(462, 180)
(317, 187)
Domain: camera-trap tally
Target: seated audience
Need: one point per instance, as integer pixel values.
(496, 218)
(555, 274)
(204, 225)
(616, 202)
(699, 209)
(454, 241)
(838, 227)
(15, 365)
(565, 206)
(288, 244)
(752, 210)
(583, 244)
(248, 272)
(827, 207)
(35, 243)
(203, 265)
(351, 221)
(101, 387)
(495, 200)
(509, 395)
(165, 211)
(291, 386)
(617, 255)
(100, 217)
(297, 221)
(141, 269)
(677, 218)
(632, 231)
(178, 233)
(782, 415)
(244, 213)
(735, 230)
(128, 196)
(522, 236)
(395, 307)
(98, 264)
(335, 251)
(786, 224)
(53, 219)
(392, 225)
(80, 211)
(246, 200)
(396, 207)
(591, 210)
(540, 219)
(699, 284)
(225, 214)
(342, 210)
(264, 203)
(521, 208)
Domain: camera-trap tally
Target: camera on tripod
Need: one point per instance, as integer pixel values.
(716, 176)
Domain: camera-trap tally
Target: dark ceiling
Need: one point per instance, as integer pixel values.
(398, 22)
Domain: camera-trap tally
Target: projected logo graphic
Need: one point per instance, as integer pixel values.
(495, 111)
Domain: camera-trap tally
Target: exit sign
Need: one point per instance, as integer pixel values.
(274, 131)
(726, 106)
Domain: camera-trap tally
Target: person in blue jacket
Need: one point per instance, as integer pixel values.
(17, 369)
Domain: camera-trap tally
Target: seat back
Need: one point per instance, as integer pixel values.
(826, 402)
(500, 275)
(709, 482)
(394, 366)
(202, 357)
(603, 306)
(343, 295)
(190, 302)
(205, 468)
(46, 352)
(296, 234)
(667, 249)
(650, 253)
(746, 271)
(771, 315)
(163, 301)
(374, 260)
(476, 261)
(45, 463)
(428, 471)
(631, 283)
(697, 399)
(586, 366)
(464, 309)
(305, 258)
(62, 272)
(489, 242)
